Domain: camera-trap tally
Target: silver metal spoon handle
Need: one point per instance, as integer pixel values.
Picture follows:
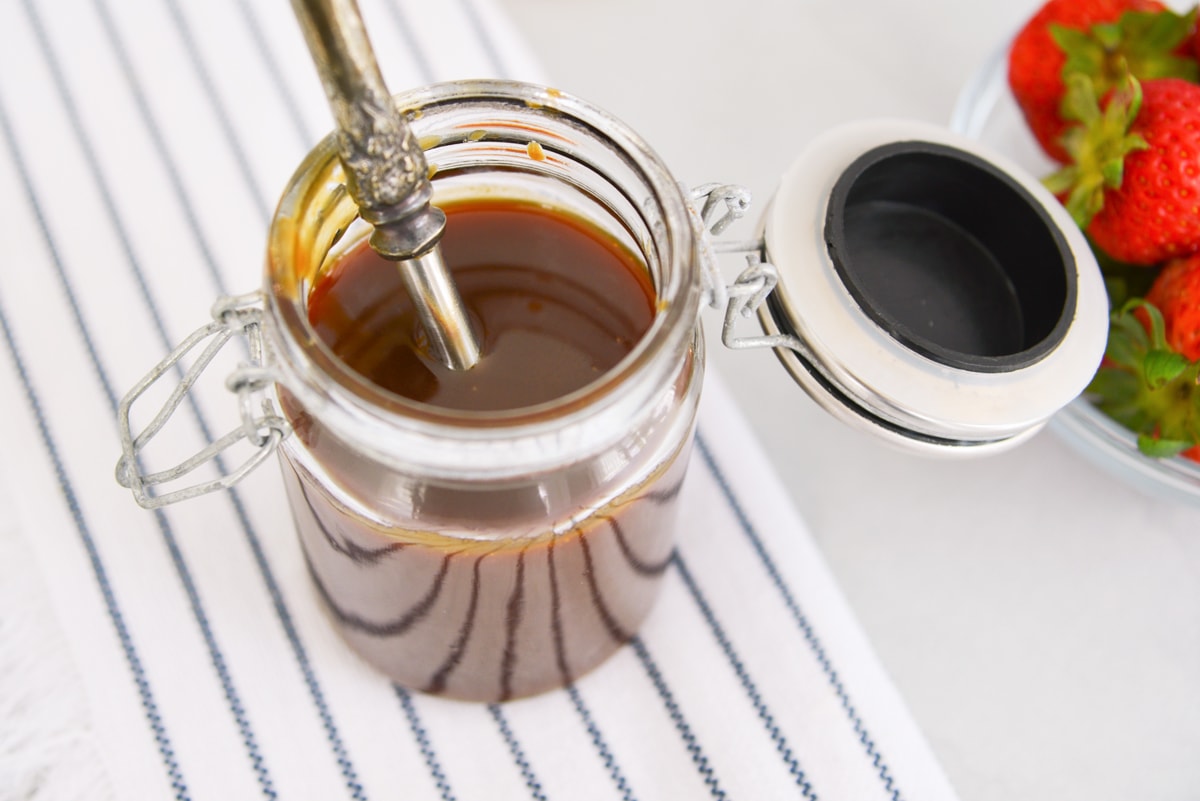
(386, 172)
(437, 303)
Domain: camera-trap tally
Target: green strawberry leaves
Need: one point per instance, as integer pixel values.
(1105, 62)
(1144, 42)
(1145, 385)
(1162, 367)
(1098, 145)
(1127, 340)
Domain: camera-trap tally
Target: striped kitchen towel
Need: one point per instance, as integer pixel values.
(142, 144)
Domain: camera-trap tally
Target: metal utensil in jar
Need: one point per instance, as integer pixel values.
(386, 173)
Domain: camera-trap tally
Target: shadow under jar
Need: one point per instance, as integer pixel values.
(494, 542)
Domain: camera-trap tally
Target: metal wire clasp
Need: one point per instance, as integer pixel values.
(743, 297)
(262, 425)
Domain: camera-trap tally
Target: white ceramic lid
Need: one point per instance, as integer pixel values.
(945, 300)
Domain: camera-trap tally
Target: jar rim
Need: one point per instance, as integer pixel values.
(322, 382)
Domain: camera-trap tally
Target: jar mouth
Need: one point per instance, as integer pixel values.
(499, 140)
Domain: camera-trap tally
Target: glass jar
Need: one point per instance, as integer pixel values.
(491, 555)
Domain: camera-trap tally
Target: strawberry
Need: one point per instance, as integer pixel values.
(1176, 293)
(1147, 386)
(1135, 183)
(1092, 37)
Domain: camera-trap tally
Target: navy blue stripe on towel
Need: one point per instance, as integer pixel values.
(156, 138)
(216, 656)
(262, 49)
(145, 693)
(420, 57)
(751, 689)
(518, 754)
(599, 743)
(422, 738)
(800, 620)
(681, 724)
(339, 752)
(214, 100)
(489, 47)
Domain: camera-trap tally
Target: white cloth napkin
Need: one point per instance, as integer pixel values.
(142, 145)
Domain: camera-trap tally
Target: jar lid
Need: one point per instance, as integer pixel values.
(938, 295)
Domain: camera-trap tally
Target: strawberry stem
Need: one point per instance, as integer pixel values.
(1145, 385)
(1098, 144)
(1144, 42)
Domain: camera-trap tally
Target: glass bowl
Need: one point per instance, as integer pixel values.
(986, 111)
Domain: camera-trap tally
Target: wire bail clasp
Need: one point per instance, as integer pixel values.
(262, 425)
(746, 294)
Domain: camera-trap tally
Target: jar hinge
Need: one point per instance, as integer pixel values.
(751, 288)
(262, 425)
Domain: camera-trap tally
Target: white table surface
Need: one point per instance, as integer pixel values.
(1041, 619)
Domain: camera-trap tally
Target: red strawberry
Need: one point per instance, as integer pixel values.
(1135, 183)
(1093, 37)
(1176, 293)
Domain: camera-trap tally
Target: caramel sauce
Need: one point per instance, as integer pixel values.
(553, 302)
(474, 592)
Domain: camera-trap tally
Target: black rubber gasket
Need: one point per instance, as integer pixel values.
(951, 256)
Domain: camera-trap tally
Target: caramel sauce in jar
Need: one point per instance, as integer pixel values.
(554, 301)
(492, 533)
(502, 590)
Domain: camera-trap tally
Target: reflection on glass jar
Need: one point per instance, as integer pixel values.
(492, 534)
